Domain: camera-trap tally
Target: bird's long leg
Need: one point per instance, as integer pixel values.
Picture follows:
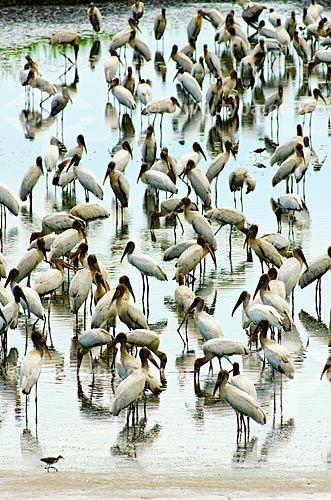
(36, 403)
(274, 377)
(147, 286)
(30, 199)
(281, 399)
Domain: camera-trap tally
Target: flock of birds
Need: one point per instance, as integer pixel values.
(63, 239)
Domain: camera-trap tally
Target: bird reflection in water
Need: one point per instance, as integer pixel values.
(88, 406)
(246, 452)
(130, 439)
(95, 54)
(279, 433)
(160, 65)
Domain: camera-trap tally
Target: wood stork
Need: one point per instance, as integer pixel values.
(86, 178)
(155, 179)
(166, 164)
(66, 37)
(56, 222)
(208, 326)
(242, 402)
(314, 10)
(308, 106)
(105, 313)
(257, 312)
(151, 340)
(288, 167)
(67, 240)
(122, 94)
(9, 314)
(301, 47)
(122, 157)
(327, 369)
(290, 270)
(217, 347)
(59, 101)
(189, 49)
(214, 17)
(212, 62)
(30, 179)
(129, 81)
(32, 301)
(81, 285)
(148, 149)
(192, 256)
(219, 162)
(280, 242)
(190, 84)
(111, 66)
(315, 271)
(287, 148)
(144, 92)
(88, 339)
(119, 184)
(240, 47)
(198, 71)
(127, 312)
(181, 59)
(137, 10)
(274, 101)
(194, 25)
(95, 17)
(30, 260)
(199, 182)
(271, 298)
(175, 251)
(200, 225)
(78, 149)
(228, 216)
(139, 46)
(122, 37)
(160, 24)
(146, 264)
(161, 105)
(31, 367)
(132, 387)
(194, 155)
(38, 82)
(264, 250)
(243, 383)
(320, 56)
(282, 36)
(237, 179)
(89, 211)
(51, 154)
(47, 282)
(277, 355)
(7, 200)
(183, 295)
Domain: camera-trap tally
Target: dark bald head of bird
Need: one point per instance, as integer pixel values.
(263, 284)
(149, 130)
(39, 342)
(110, 169)
(92, 262)
(134, 24)
(202, 242)
(115, 81)
(115, 54)
(81, 141)
(124, 280)
(120, 338)
(262, 328)
(251, 233)
(198, 303)
(222, 378)
(130, 246)
(235, 369)
(298, 254)
(75, 160)
(12, 275)
(231, 31)
(326, 367)
(175, 101)
(145, 354)
(241, 299)
(174, 51)
(229, 147)
(180, 71)
(127, 147)
(143, 169)
(198, 149)
(272, 273)
(42, 246)
(39, 163)
(190, 165)
(317, 93)
(299, 150)
(79, 226)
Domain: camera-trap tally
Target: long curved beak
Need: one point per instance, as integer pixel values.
(152, 360)
(326, 367)
(322, 97)
(129, 287)
(47, 350)
(239, 301)
(124, 253)
(105, 177)
(248, 235)
(212, 253)
(217, 385)
(258, 287)
(202, 152)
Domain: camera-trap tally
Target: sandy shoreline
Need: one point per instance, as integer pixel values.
(225, 486)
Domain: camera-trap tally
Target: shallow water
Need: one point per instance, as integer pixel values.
(185, 433)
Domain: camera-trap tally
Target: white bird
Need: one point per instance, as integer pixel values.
(104, 314)
(199, 182)
(157, 180)
(290, 270)
(218, 347)
(132, 387)
(8, 200)
(32, 364)
(78, 149)
(80, 286)
(30, 260)
(175, 251)
(190, 84)
(119, 184)
(146, 264)
(198, 71)
(90, 338)
(270, 298)
(66, 37)
(160, 24)
(56, 222)
(183, 295)
(67, 240)
(111, 66)
(315, 271)
(95, 17)
(308, 106)
(288, 167)
(224, 216)
(242, 402)
(314, 10)
(287, 148)
(257, 312)
(139, 46)
(48, 281)
(122, 94)
(51, 154)
(129, 314)
(149, 146)
(59, 101)
(161, 105)
(208, 326)
(200, 225)
(137, 10)
(181, 59)
(38, 82)
(122, 157)
(280, 242)
(320, 56)
(276, 286)
(192, 256)
(122, 37)
(242, 382)
(274, 101)
(277, 355)
(89, 211)
(30, 179)
(31, 301)
(86, 178)
(144, 92)
(10, 312)
(264, 250)
(212, 62)
(301, 47)
(194, 155)
(282, 36)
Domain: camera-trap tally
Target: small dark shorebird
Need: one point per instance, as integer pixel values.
(49, 461)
